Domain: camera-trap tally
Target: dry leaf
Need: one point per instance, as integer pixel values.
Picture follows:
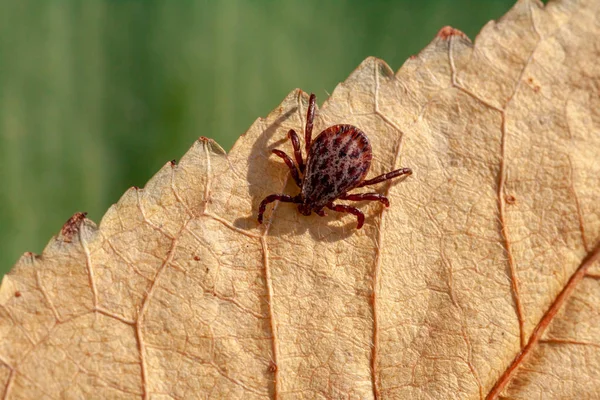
(477, 281)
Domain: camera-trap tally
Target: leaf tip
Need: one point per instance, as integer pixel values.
(447, 31)
(72, 226)
(28, 258)
(212, 145)
(374, 62)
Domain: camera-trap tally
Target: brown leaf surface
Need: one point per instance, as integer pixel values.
(477, 281)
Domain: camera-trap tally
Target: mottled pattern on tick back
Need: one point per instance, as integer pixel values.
(339, 159)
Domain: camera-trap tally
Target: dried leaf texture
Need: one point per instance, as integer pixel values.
(481, 279)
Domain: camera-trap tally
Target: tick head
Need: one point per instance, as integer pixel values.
(304, 209)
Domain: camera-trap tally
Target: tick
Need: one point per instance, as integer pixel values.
(337, 161)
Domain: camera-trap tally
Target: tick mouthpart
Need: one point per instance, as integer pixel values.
(304, 209)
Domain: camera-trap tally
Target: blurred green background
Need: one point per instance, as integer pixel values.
(95, 96)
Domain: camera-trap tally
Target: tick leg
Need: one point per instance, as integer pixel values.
(348, 209)
(385, 177)
(366, 196)
(320, 213)
(310, 117)
(290, 165)
(271, 198)
(297, 152)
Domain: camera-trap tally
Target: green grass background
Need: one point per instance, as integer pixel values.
(95, 96)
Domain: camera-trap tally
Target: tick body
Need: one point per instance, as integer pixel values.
(337, 161)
